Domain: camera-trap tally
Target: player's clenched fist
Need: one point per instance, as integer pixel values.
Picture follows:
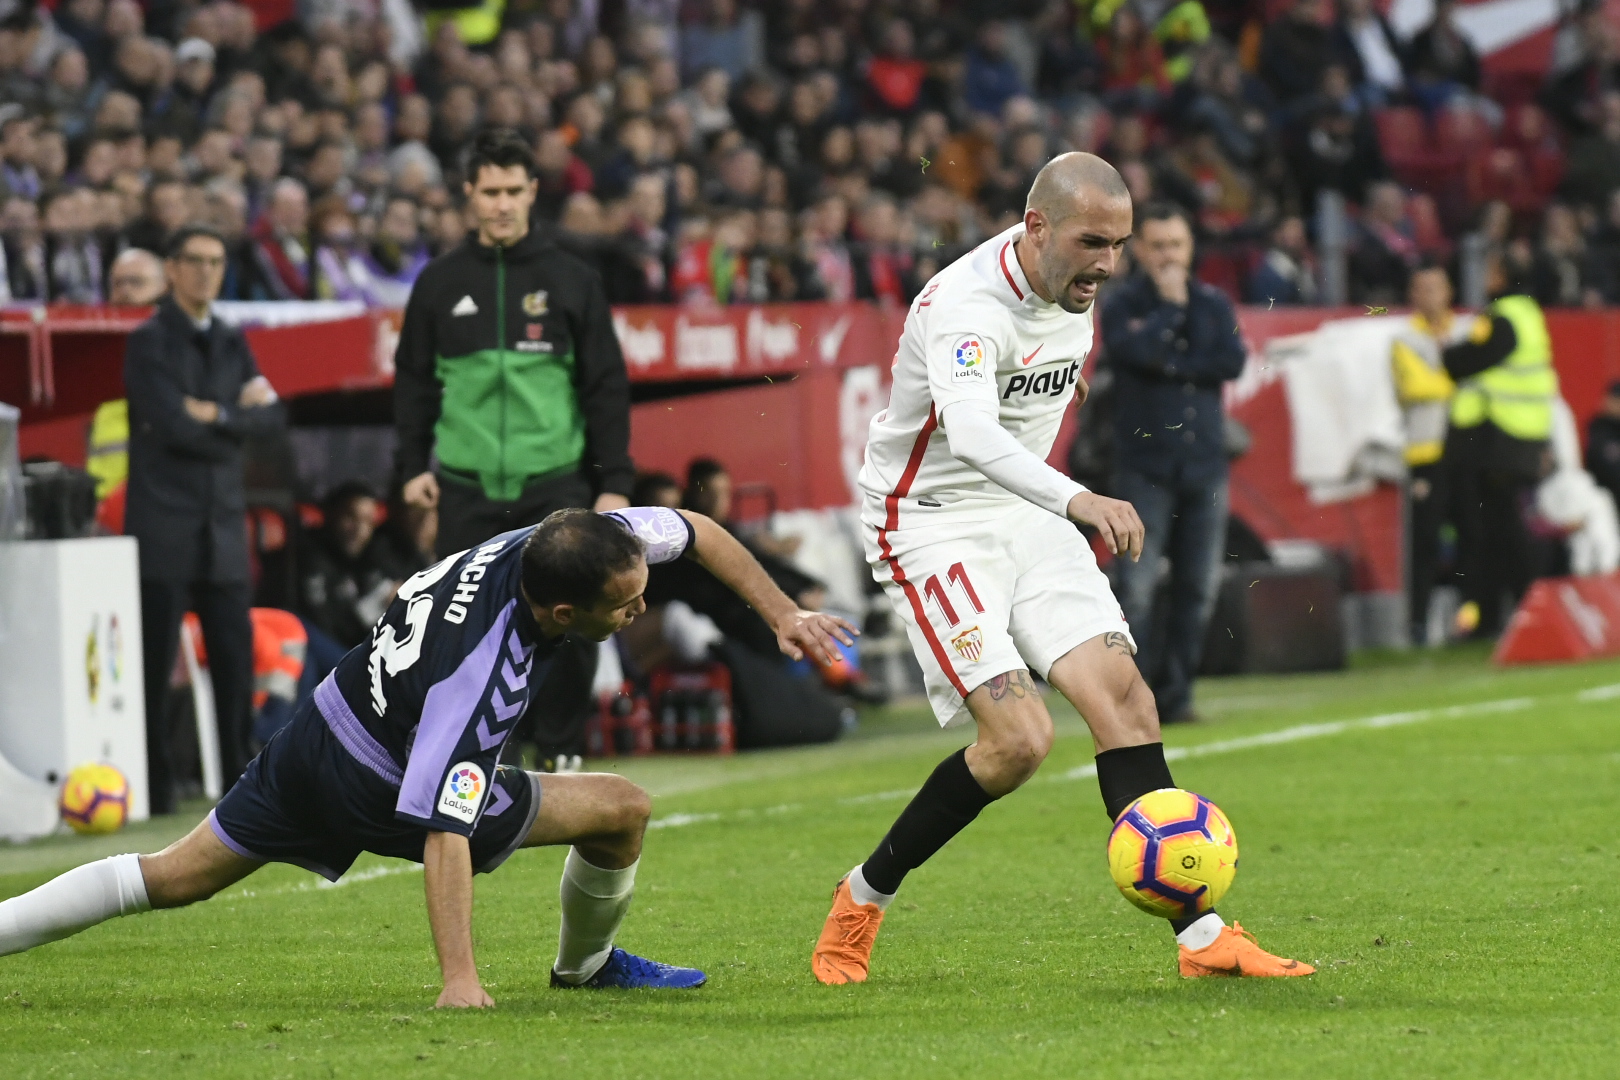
(812, 632)
(1115, 519)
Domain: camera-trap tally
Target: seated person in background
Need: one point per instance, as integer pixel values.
(708, 491)
(345, 581)
(656, 489)
(405, 539)
(1603, 442)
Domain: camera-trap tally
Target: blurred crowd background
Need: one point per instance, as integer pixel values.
(723, 151)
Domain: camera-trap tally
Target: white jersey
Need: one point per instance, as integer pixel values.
(977, 332)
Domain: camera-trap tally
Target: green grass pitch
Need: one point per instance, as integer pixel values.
(1451, 866)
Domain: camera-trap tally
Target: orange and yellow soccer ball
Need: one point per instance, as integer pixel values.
(95, 799)
(1173, 853)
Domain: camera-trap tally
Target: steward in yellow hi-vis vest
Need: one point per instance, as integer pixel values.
(1424, 389)
(1501, 419)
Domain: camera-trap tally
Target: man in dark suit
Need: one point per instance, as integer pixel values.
(195, 395)
(1172, 341)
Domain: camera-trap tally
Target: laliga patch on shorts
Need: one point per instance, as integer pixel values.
(969, 359)
(969, 644)
(463, 789)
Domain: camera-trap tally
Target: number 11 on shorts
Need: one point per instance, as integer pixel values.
(957, 576)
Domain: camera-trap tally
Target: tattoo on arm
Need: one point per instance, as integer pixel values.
(1014, 684)
(1116, 640)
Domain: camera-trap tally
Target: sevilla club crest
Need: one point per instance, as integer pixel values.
(969, 644)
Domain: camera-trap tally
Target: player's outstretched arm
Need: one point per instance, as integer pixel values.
(447, 866)
(797, 632)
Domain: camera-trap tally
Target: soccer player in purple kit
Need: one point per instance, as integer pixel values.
(398, 752)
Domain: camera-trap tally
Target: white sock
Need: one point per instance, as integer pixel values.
(1202, 934)
(77, 900)
(594, 903)
(862, 893)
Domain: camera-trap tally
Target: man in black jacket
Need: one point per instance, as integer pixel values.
(1172, 341)
(195, 395)
(509, 372)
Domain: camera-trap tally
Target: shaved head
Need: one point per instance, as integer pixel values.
(1075, 226)
(1062, 186)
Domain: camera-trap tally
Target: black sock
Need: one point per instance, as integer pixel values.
(1128, 773)
(946, 804)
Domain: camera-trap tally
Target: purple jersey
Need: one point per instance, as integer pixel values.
(430, 700)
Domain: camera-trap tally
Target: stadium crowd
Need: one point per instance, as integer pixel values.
(804, 149)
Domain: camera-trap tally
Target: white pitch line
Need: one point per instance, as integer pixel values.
(1297, 733)
(1335, 727)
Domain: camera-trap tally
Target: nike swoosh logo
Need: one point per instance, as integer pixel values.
(1031, 356)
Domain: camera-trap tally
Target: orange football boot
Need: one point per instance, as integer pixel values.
(844, 950)
(1235, 952)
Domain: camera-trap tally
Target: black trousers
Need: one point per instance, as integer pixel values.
(1494, 555)
(1427, 507)
(560, 706)
(227, 630)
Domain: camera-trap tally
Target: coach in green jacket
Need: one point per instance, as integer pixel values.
(509, 371)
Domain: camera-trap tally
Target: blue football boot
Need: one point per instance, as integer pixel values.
(627, 971)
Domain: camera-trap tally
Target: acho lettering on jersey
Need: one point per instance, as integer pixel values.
(429, 701)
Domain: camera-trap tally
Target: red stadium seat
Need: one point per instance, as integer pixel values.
(1426, 227)
(1501, 173)
(1404, 138)
(1546, 169)
(1526, 126)
(1463, 131)
(1226, 269)
(1402, 131)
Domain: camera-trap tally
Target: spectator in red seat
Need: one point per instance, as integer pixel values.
(1224, 193)
(1338, 151)
(1386, 248)
(788, 274)
(1295, 49)
(1603, 442)
(825, 226)
(1287, 272)
(1594, 160)
(1365, 41)
(136, 279)
(67, 95)
(23, 246)
(72, 256)
(17, 173)
(722, 39)
(1562, 272)
(1603, 253)
(187, 99)
(715, 268)
(1574, 95)
(345, 581)
(1133, 71)
(283, 243)
(989, 78)
(894, 77)
(884, 270)
(1440, 61)
(560, 174)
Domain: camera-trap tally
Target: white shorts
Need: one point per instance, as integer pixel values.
(983, 598)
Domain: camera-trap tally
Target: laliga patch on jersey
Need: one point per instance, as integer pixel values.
(969, 357)
(463, 789)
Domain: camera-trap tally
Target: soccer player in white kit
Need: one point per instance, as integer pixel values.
(971, 534)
